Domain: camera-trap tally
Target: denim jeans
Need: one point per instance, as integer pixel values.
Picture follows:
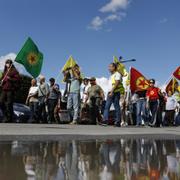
(153, 106)
(140, 111)
(73, 105)
(52, 103)
(34, 111)
(42, 110)
(115, 101)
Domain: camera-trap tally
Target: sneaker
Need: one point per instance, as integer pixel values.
(124, 124)
(73, 123)
(104, 123)
(117, 125)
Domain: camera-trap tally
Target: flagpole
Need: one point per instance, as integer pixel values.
(57, 77)
(128, 90)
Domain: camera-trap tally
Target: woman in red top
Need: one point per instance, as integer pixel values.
(153, 101)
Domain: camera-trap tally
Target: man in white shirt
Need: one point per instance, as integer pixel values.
(113, 96)
(85, 89)
(32, 101)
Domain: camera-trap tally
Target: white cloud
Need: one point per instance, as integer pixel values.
(96, 23)
(105, 83)
(112, 17)
(115, 17)
(11, 56)
(112, 11)
(114, 6)
(164, 20)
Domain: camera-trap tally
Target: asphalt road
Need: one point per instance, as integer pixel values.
(42, 132)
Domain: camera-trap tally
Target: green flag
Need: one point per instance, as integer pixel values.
(31, 58)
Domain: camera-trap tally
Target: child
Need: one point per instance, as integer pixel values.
(171, 105)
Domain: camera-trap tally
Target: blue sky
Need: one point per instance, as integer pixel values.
(95, 30)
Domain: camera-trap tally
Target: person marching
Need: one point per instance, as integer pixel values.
(9, 82)
(53, 100)
(141, 107)
(152, 95)
(73, 101)
(113, 96)
(95, 95)
(85, 89)
(43, 93)
(177, 97)
(171, 105)
(32, 101)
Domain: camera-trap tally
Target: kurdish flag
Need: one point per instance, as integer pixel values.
(170, 85)
(31, 58)
(120, 67)
(177, 73)
(137, 81)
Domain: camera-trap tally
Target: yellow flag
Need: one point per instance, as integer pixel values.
(69, 64)
(120, 67)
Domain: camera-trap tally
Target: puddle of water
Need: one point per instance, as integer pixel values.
(129, 159)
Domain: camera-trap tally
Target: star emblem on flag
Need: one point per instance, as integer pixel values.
(142, 83)
(32, 58)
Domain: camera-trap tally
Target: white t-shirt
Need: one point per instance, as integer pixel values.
(33, 90)
(84, 93)
(171, 103)
(117, 76)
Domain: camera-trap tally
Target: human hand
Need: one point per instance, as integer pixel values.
(8, 78)
(110, 94)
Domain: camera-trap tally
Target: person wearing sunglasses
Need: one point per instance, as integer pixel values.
(153, 94)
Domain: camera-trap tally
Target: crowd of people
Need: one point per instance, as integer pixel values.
(121, 107)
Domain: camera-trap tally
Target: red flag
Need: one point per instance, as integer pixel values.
(177, 73)
(137, 81)
(170, 85)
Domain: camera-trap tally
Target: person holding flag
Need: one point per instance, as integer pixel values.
(73, 101)
(73, 79)
(122, 70)
(139, 85)
(113, 96)
(174, 87)
(10, 81)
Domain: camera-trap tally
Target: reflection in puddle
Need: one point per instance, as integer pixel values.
(140, 159)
